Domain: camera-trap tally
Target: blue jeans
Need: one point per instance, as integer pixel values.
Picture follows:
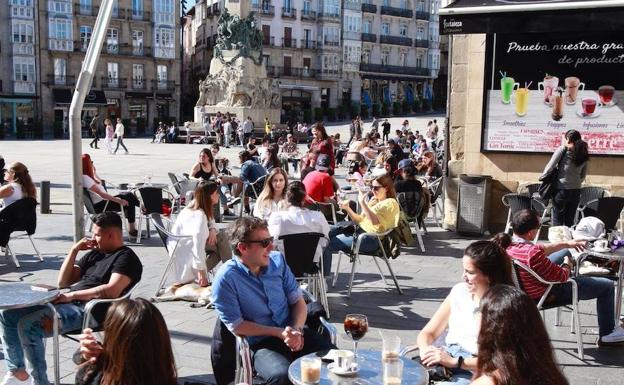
(271, 356)
(460, 376)
(23, 331)
(342, 242)
(589, 288)
(558, 256)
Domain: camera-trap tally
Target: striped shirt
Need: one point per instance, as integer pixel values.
(534, 257)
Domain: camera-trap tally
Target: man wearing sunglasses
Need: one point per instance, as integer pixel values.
(256, 296)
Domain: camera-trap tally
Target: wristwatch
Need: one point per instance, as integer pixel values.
(460, 362)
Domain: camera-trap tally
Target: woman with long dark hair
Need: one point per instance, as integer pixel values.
(571, 162)
(514, 346)
(20, 184)
(102, 199)
(197, 256)
(272, 159)
(485, 264)
(136, 349)
(323, 143)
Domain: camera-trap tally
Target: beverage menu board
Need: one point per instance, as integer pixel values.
(538, 86)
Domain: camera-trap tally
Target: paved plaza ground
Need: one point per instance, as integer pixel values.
(426, 278)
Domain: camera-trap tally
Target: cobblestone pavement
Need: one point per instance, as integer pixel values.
(426, 278)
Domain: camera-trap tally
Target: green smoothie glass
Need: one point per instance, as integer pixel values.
(508, 85)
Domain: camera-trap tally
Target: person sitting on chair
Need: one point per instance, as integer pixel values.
(546, 261)
(108, 270)
(256, 295)
(416, 198)
(20, 185)
(319, 184)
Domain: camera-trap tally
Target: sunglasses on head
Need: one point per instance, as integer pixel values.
(263, 242)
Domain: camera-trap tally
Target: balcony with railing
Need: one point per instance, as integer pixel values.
(396, 40)
(164, 52)
(351, 35)
(265, 9)
(112, 48)
(23, 49)
(325, 44)
(371, 37)
(268, 41)
(290, 72)
(113, 83)
(85, 9)
(398, 12)
(422, 15)
(289, 13)
(138, 84)
(216, 9)
(307, 44)
(434, 44)
(354, 5)
(138, 15)
(421, 43)
(61, 80)
(289, 43)
(369, 8)
(306, 14)
(61, 45)
(329, 15)
(24, 87)
(389, 69)
(163, 85)
(327, 73)
(134, 50)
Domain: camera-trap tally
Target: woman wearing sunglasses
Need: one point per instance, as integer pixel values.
(379, 214)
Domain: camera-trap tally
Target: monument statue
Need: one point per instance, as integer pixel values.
(238, 82)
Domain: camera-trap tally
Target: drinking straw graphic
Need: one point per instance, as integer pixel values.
(503, 74)
(527, 85)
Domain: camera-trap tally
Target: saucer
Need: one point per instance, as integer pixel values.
(601, 250)
(337, 370)
(610, 104)
(581, 114)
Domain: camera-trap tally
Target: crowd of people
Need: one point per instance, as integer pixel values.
(475, 334)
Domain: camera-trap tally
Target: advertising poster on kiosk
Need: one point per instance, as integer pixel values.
(538, 86)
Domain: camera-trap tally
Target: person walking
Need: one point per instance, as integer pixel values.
(109, 132)
(227, 132)
(94, 131)
(248, 128)
(570, 161)
(119, 131)
(386, 130)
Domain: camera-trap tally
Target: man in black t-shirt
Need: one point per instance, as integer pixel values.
(108, 270)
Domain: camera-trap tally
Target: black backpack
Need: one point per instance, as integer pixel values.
(411, 203)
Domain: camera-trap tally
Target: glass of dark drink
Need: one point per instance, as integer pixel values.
(356, 326)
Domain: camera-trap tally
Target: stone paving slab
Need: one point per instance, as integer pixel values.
(426, 278)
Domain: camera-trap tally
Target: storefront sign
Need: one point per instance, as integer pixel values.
(538, 86)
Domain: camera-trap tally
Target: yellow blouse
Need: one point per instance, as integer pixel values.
(388, 212)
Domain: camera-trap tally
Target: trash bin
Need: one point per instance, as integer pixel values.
(473, 203)
(44, 197)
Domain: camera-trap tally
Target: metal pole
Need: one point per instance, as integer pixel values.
(83, 86)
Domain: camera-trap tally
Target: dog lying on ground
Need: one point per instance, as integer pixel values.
(190, 292)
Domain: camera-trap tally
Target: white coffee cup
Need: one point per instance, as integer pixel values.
(601, 244)
(344, 359)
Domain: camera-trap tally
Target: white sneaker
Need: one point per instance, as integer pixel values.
(10, 379)
(616, 336)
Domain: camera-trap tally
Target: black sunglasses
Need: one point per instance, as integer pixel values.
(263, 242)
(375, 188)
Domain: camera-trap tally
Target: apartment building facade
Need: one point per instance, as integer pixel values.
(138, 74)
(327, 53)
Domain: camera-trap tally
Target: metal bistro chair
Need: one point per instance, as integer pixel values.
(404, 202)
(517, 202)
(182, 188)
(607, 209)
(589, 194)
(163, 226)
(21, 215)
(355, 254)
(575, 326)
(251, 190)
(88, 203)
(436, 188)
(151, 199)
(299, 251)
(328, 209)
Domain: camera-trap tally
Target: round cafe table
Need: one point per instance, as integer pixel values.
(370, 373)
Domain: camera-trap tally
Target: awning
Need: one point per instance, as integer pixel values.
(545, 16)
(93, 98)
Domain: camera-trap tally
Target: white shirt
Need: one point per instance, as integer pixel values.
(16, 195)
(190, 255)
(248, 126)
(464, 321)
(264, 211)
(88, 182)
(119, 130)
(227, 127)
(296, 220)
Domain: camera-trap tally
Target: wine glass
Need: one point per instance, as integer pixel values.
(356, 326)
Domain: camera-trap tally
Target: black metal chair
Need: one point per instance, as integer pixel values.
(90, 207)
(607, 209)
(299, 251)
(517, 202)
(21, 215)
(151, 199)
(437, 188)
(251, 190)
(589, 194)
(412, 205)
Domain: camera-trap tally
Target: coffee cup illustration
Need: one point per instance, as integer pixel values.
(548, 86)
(508, 85)
(572, 86)
(607, 95)
(521, 101)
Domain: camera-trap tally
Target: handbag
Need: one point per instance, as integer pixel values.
(548, 185)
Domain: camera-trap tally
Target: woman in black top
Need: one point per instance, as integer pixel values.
(206, 169)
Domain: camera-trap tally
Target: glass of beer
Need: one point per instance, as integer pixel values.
(356, 326)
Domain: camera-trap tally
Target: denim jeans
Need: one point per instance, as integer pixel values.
(558, 256)
(271, 356)
(460, 376)
(342, 242)
(120, 143)
(589, 288)
(23, 331)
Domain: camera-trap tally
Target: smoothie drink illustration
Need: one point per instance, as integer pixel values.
(606, 94)
(521, 100)
(556, 100)
(548, 86)
(573, 86)
(508, 85)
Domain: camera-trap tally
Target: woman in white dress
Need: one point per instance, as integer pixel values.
(273, 195)
(19, 184)
(195, 257)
